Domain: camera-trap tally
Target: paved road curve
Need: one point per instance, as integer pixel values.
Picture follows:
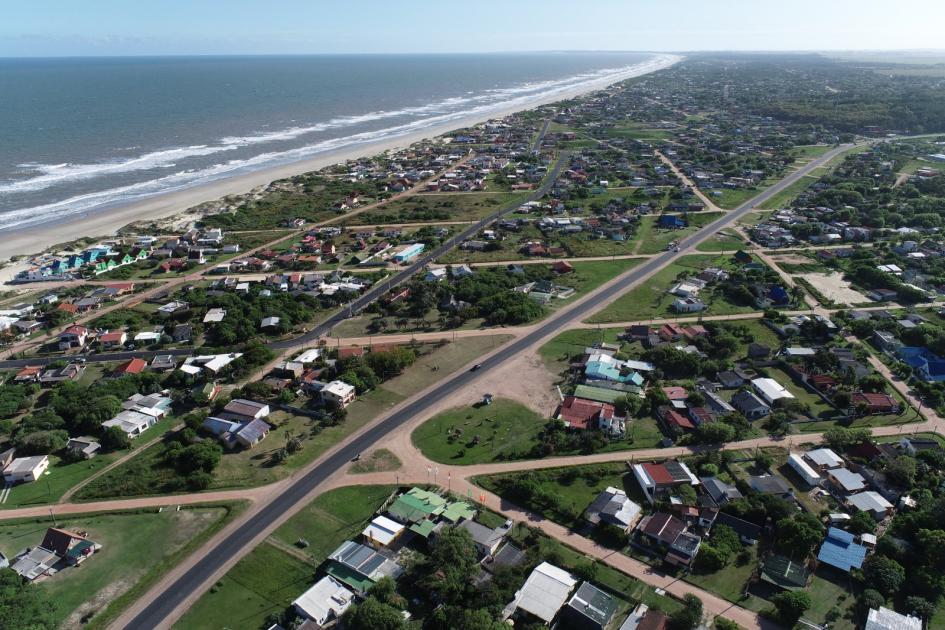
(161, 609)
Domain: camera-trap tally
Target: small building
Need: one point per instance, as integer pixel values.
(252, 433)
(83, 447)
(360, 567)
(871, 502)
(720, 491)
(875, 403)
(589, 609)
(408, 253)
(25, 469)
(808, 474)
(770, 390)
(544, 592)
(823, 459)
(486, 539)
(750, 405)
(839, 551)
(659, 480)
(769, 484)
(339, 393)
(846, 480)
(382, 531)
(243, 410)
(326, 600)
(613, 507)
(883, 618)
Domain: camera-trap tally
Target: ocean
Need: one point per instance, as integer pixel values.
(81, 135)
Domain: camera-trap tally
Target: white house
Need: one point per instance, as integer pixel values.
(327, 599)
(24, 469)
(133, 423)
(382, 531)
(802, 468)
(309, 356)
(214, 315)
(339, 393)
(885, 619)
(545, 591)
(770, 390)
(688, 305)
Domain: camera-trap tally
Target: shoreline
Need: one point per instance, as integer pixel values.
(107, 221)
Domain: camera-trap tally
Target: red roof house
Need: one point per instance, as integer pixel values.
(580, 413)
(132, 366)
(876, 403)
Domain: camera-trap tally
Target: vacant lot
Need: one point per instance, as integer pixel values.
(439, 207)
(834, 287)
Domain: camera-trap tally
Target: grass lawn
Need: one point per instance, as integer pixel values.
(249, 468)
(439, 207)
(277, 571)
(638, 131)
(557, 353)
(566, 492)
(478, 434)
(829, 590)
(138, 547)
(784, 198)
(722, 241)
(381, 460)
(653, 240)
(651, 299)
(60, 477)
(729, 583)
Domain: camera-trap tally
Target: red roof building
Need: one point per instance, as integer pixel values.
(562, 267)
(675, 392)
(350, 351)
(580, 413)
(66, 307)
(671, 331)
(876, 403)
(122, 287)
(132, 366)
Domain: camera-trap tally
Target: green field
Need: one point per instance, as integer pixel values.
(650, 239)
(273, 574)
(784, 198)
(381, 460)
(638, 131)
(138, 547)
(501, 431)
(722, 241)
(429, 207)
(651, 299)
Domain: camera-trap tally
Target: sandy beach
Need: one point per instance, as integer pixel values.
(107, 221)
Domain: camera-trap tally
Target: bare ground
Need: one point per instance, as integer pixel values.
(834, 287)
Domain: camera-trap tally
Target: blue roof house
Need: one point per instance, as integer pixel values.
(672, 221)
(838, 550)
(778, 295)
(601, 371)
(926, 364)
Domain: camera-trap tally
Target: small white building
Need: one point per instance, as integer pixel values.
(382, 531)
(802, 468)
(339, 393)
(883, 618)
(824, 458)
(309, 356)
(770, 390)
(328, 599)
(25, 469)
(545, 591)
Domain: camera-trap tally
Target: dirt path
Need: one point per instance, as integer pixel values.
(709, 204)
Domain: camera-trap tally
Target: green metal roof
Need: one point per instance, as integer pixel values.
(424, 528)
(349, 576)
(598, 394)
(458, 510)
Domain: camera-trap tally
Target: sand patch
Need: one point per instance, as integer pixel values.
(793, 259)
(835, 288)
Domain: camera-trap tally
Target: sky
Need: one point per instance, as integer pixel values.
(182, 27)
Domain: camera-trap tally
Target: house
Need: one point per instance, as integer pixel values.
(270, 323)
(770, 390)
(674, 421)
(588, 609)
(486, 539)
(69, 546)
(758, 351)
(720, 491)
(325, 601)
(883, 618)
(613, 507)
(669, 532)
(730, 379)
(408, 253)
(913, 446)
(925, 364)
(71, 372)
(839, 551)
(659, 480)
(84, 447)
(28, 374)
(771, 485)
(671, 222)
(750, 405)
(163, 362)
(544, 592)
(808, 474)
(645, 618)
(34, 563)
(578, 413)
(132, 422)
(871, 502)
(359, 567)
(73, 337)
(748, 532)
(214, 315)
(252, 433)
(182, 332)
(688, 305)
(131, 366)
(823, 459)
(339, 393)
(25, 469)
(309, 356)
(846, 480)
(886, 341)
(112, 340)
(382, 531)
(875, 403)
(243, 410)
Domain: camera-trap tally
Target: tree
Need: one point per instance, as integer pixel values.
(763, 460)
(902, 471)
(841, 438)
(710, 559)
(862, 523)
(791, 605)
(455, 563)
(716, 432)
(798, 535)
(869, 599)
(721, 623)
(690, 615)
(114, 439)
(884, 573)
(373, 615)
(22, 605)
(920, 607)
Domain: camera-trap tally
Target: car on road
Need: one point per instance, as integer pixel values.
(475, 367)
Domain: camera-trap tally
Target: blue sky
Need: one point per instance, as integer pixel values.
(123, 27)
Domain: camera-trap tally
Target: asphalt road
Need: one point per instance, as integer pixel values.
(165, 603)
